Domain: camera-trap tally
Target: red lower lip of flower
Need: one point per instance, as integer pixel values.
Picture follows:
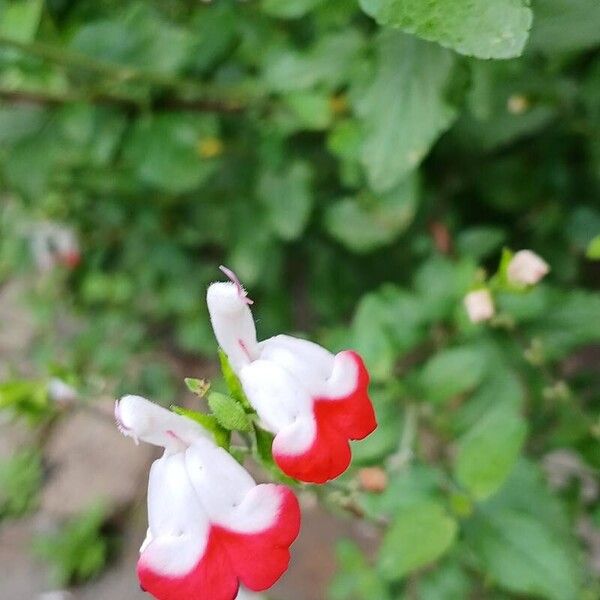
(337, 421)
(256, 560)
(71, 259)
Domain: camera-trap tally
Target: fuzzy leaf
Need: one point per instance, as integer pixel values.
(488, 29)
(228, 412)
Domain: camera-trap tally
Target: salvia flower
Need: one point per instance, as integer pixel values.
(211, 527)
(313, 401)
(526, 268)
(54, 244)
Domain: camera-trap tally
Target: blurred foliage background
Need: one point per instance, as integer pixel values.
(360, 165)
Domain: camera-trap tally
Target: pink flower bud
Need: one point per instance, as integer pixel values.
(526, 268)
(479, 305)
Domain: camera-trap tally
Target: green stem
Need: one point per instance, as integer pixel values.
(404, 453)
(122, 73)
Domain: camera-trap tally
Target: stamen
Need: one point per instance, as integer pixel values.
(234, 279)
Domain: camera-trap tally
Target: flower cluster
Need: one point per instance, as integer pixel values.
(524, 268)
(211, 527)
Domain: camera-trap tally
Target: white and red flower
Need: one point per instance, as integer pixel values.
(211, 528)
(313, 401)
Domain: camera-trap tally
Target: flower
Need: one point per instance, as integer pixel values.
(210, 526)
(313, 401)
(479, 305)
(54, 244)
(526, 268)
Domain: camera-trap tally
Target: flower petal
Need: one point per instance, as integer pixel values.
(178, 559)
(144, 420)
(307, 361)
(312, 433)
(232, 323)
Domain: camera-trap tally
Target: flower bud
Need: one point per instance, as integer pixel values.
(373, 479)
(526, 268)
(479, 305)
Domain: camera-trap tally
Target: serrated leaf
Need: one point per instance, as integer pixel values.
(420, 534)
(197, 386)
(405, 109)
(487, 453)
(489, 29)
(367, 222)
(228, 412)
(221, 435)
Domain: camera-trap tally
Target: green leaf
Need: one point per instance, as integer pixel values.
(287, 197)
(447, 582)
(197, 386)
(387, 323)
(313, 109)
(232, 381)
(452, 372)
(442, 284)
(165, 150)
(480, 242)
(419, 535)
(288, 9)
(384, 440)
(565, 26)
(138, 37)
(209, 422)
(367, 222)
(264, 444)
(355, 576)
(570, 319)
(228, 412)
(20, 19)
(414, 485)
(28, 398)
(524, 555)
(593, 249)
(20, 480)
(490, 29)
(405, 109)
(487, 453)
(328, 64)
(79, 550)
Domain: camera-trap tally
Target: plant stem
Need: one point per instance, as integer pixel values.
(201, 95)
(120, 101)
